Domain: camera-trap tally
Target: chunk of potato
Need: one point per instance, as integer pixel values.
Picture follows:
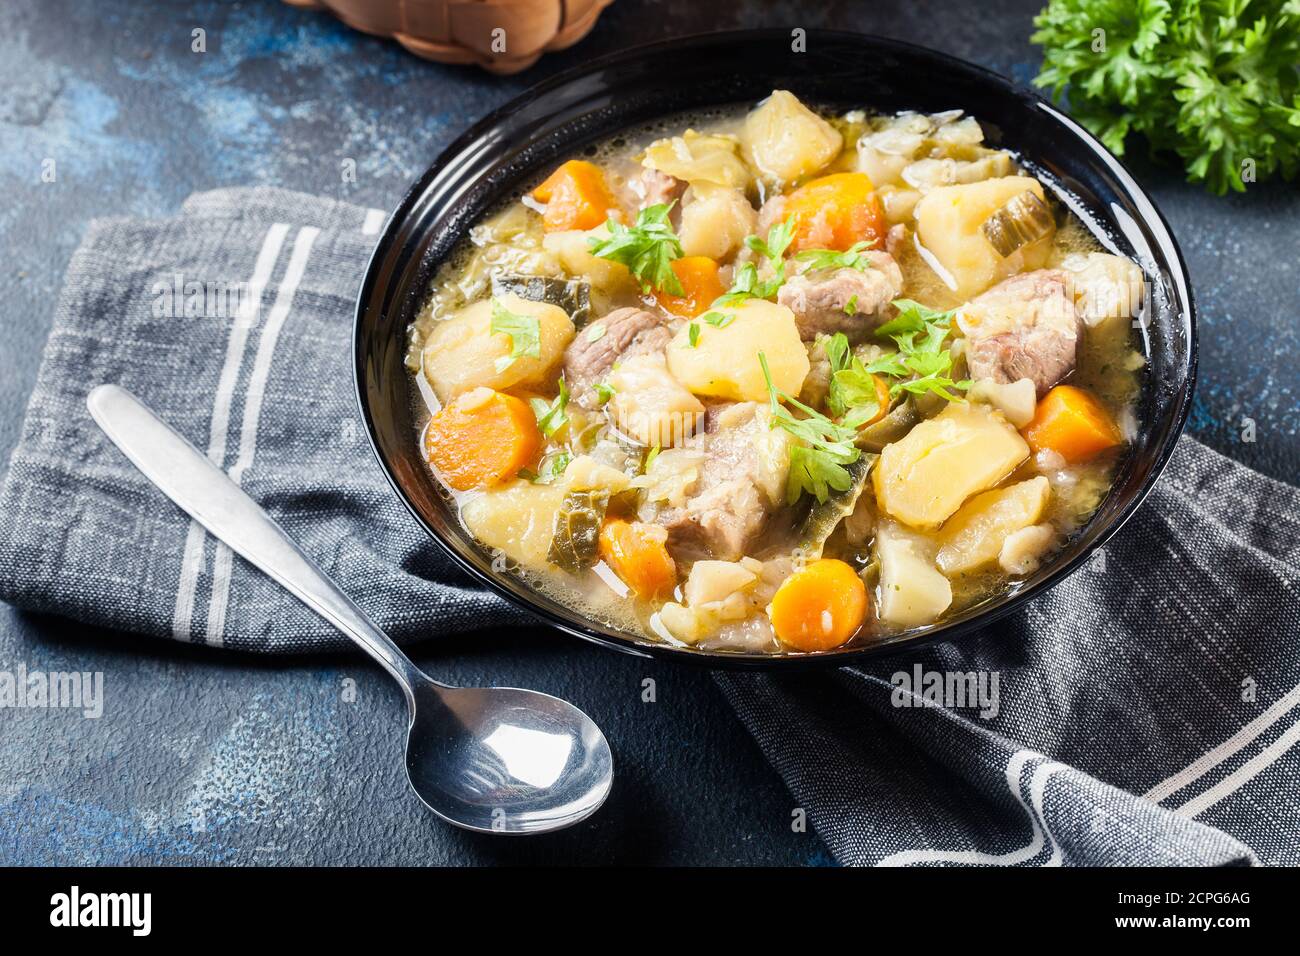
(912, 592)
(716, 593)
(683, 623)
(518, 518)
(948, 221)
(787, 141)
(724, 361)
(699, 158)
(573, 251)
(1016, 400)
(1023, 550)
(924, 477)
(974, 536)
(652, 406)
(715, 581)
(461, 353)
(715, 221)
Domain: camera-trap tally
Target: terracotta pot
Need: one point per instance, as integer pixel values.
(503, 36)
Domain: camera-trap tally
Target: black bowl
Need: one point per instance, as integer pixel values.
(563, 115)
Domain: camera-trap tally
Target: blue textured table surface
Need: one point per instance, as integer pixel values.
(203, 757)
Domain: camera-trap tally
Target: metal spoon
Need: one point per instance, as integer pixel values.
(495, 759)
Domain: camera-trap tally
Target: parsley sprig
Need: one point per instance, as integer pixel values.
(1214, 81)
(524, 332)
(851, 396)
(922, 363)
(551, 416)
(850, 258)
(647, 248)
(746, 283)
(817, 466)
(549, 470)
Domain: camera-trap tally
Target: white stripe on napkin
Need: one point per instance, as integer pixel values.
(224, 559)
(1040, 837)
(1242, 738)
(1243, 774)
(218, 431)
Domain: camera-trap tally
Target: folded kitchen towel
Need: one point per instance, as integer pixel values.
(1142, 712)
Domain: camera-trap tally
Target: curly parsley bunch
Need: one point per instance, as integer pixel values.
(1215, 81)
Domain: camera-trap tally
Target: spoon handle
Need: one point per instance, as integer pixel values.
(210, 497)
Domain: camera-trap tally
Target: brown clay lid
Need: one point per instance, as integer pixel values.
(503, 36)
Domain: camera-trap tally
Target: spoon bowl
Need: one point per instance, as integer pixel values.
(505, 760)
(491, 759)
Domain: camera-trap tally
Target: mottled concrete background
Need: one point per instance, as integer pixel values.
(209, 758)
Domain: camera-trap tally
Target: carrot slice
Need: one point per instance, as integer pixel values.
(638, 553)
(820, 607)
(576, 197)
(700, 283)
(482, 438)
(1072, 423)
(835, 212)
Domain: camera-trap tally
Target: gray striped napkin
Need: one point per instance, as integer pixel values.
(1143, 712)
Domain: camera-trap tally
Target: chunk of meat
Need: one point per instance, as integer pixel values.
(895, 238)
(740, 480)
(818, 381)
(770, 213)
(1024, 327)
(654, 187)
(592, 353)
(852, 301)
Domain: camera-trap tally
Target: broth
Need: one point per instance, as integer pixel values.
(515, 240)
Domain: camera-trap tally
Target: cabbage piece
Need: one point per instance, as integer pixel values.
(824, 517)
(699, 158)
(571, 295)
(577, 529)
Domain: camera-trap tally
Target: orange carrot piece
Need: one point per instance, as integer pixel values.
(700, 284)
(481, 439)
(576, 197)
(835, 212)
(820, 607)
(1073, 423)
(638, 553)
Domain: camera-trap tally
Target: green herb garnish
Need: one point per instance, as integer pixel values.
(778, 241)
(551, 469)
(524, 332)
(647, 248)
(921, 363)
(604, 392)
(693, 334)
(850, 258)
(852, 392)
(649, 459)
(817, 466)
(551, 416)
(745, 284)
